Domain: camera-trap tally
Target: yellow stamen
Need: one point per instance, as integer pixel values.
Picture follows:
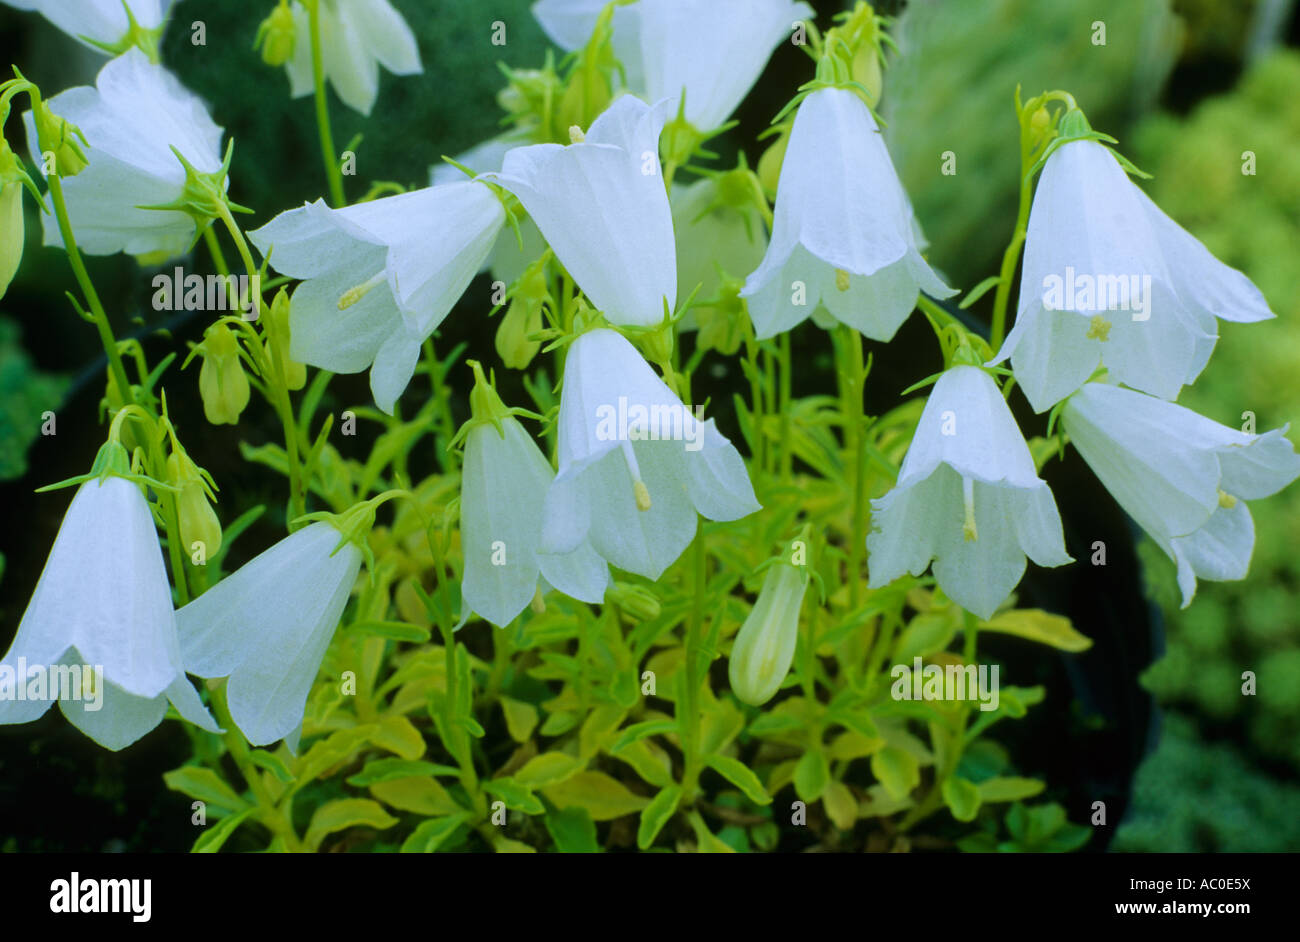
(1226, 500)
(841, 280)
(968, 530)
(1099, 329)
(355, 294)
(575, 135)
(639, 490)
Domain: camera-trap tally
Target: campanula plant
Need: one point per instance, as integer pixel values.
(621, 611)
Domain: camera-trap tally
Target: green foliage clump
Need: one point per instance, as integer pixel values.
(1196, 797)
(1249, 221)
(25, 393)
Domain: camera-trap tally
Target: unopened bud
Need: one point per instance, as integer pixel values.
(222, 383)
(295, 374)
(61, 138)
(764, 647)
(634, 601)
(198, 521)
(275, 37)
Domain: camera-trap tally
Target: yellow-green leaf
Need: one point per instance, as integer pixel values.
(897, 770)
(205, 785)
(656, 815)
(1010, 788)
(598, 729)
(521, 718)
(1036, 625)
(602, 796)
(422, 795)
(398, 735)
(962, 798)
(346, 813)
(841, 807)
(739, 774)
(547, 769)
(811, 775)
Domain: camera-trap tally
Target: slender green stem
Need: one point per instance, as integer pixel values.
(214, 249)
(755, 398)
(852, 372)
(787, 370)
(175, 551)
(277, 385)
(1012, 254)
(88, 289)
(689, 718)
(276, 817)
(332, 169)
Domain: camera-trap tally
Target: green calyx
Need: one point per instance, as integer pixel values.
(12, 171)
(1043, 133)
(486, 407)
(136, 36)
(60, 137)
(203, 196)
(354, 524)
(112, 459)
(849, 57)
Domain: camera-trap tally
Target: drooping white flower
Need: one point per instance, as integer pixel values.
(98, 23)
(1110, 279)
(635, 465)
(379, 277)
(601, 205)
(1184, 478)
(968, 498)
(133, 117)
(357, 37)
(843, 234)
(764, 647)
(266, 627)
(102, 601)
(503, 484)
(711, 51)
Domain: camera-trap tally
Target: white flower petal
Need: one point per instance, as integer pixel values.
(602, 206)
(1219, 551)
(712, 51)
(267, 626)
(503, 481)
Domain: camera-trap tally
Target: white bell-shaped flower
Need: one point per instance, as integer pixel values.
(267, 627)
(710, 51)
(635, 465)
(600, 203)
(968, 498)
(1184, 478)
(133, 117)
(99, 23)
(1110, 279)
(843, 234)
(356, 38)
(379, 277)
(102, 602)
(503, 484)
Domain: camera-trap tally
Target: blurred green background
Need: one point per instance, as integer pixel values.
(1185, 85)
